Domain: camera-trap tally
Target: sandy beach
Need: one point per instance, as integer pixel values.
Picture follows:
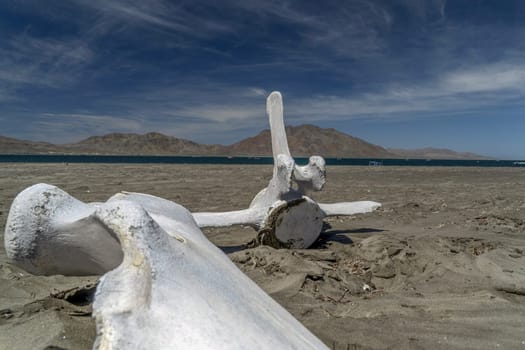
(444, 257)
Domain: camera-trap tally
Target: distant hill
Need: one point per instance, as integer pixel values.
(434, 153)
(304, 140)
(13, 146)
(147, 144)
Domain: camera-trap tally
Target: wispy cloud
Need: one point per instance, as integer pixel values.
(207, 104)
(457, 91)
(179, 17)
(493, 77)
(349, 29)
(27, 60)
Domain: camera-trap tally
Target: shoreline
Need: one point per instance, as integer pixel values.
(249, 160)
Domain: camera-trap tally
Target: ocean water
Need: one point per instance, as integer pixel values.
(15, 158)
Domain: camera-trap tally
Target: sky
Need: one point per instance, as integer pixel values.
(398, 73)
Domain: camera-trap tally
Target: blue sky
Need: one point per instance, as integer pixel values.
(398, 73)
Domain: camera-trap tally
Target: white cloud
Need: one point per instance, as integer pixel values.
(257, 92)
(232, 113)
(458, 91)
(28, 60)
(165, 15)
(492, 77)
(349, 29)
(58, 52)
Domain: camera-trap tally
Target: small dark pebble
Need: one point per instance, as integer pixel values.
(6, 314)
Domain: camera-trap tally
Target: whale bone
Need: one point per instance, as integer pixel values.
(284, 216)
(182, 292)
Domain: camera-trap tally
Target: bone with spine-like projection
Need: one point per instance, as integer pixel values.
(170, 287)
(284, 216)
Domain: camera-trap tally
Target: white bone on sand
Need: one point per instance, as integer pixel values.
(49, 232)
(185, 292)
(170, 287)
(284, 216)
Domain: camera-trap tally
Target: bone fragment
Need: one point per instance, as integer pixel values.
(49, 232)
(349, 208)
(292, 224)
(175, 290)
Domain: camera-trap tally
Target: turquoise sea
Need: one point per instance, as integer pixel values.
(12, 158)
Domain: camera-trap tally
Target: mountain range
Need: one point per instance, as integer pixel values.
(303, 140)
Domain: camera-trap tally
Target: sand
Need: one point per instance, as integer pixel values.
(444, 258)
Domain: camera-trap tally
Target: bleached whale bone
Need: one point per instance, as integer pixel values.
(283, 215)
(170, 288)
(176, 290)
(49, 232)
